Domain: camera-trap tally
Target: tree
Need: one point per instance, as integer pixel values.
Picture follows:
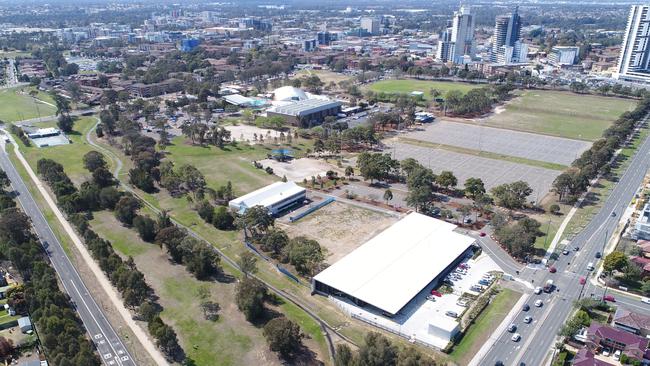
(146, 228)
(15, 226)
(199, 257)
(247, 263)
(103, 178)
(283, 336)
(65, 123)
(108, 197)
(171, 238)
(222, 219)
(377, 351)
(446, 179)
(192, 179)
(388, 195)
(474, 187)
(410, 356)
(250, 295)
(305, 254)
(554, 209)
(615, 261)
(256, 219)
(93, 160)
(126, 208)
(349, 171)
(6, 348)
(148, 311)
(512, 195)
(343, 355)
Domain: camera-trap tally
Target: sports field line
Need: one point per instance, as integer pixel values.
(484, 154)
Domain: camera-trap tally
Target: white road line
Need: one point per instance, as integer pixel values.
(95, 319)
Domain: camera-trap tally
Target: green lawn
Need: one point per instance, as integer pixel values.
(408, 85)
(564, 114)
(599, 194)
(124, 241)
(70, 156)
(16, 104)
(483, 326)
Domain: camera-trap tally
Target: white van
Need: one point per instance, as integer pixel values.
(590, 266)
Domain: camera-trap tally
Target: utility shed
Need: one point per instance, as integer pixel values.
(389, 270)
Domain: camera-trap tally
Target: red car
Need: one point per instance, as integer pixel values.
(582, 280)
(481, 234)
(609, 298)
(552, 269)
(436, 293)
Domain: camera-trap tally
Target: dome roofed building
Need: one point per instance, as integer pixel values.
(288, 94)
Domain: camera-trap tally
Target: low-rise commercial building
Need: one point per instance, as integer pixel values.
(276, 198)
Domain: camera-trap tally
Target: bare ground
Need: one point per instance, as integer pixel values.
(340, 228)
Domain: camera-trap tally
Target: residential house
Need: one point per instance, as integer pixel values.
(601, 336)
(632, 322)
(585, 357)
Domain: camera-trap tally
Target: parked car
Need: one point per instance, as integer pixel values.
(516, 337)
(484, 282)
(605, 352)
(552, 269)
(462, 303)
(436, 293)
(528, 319)
(452, 314)
(431, 298)
(476, 288)
(617, 355)
(526, 307)
(512, 328)
(645, 300)
(609, 298)
(539, 303)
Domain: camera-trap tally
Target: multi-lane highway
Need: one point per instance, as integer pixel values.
(109, 346)
(537, 338)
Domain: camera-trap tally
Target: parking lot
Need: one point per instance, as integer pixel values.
(501, 141)
(414, 320)
(492, 172)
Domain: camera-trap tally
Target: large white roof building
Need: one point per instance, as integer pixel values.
(389, 270)
(274, 197)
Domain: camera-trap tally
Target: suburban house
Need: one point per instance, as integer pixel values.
(601, 336)
(585, 357)
(644, 245)
(642, 226)
(642, 262)
(632, 322)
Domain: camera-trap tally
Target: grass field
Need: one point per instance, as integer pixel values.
(409, 85)
(231, 340)
(71, 156)
(483, 326)
(16, 104)
(325, 76)
(563, 114)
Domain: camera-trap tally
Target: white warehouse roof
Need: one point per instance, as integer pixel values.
(394, 266)
(267, 196)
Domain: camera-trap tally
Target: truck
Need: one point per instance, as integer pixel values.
(548, 286)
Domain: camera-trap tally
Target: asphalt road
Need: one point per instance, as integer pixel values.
(537, 338)
(109, 346)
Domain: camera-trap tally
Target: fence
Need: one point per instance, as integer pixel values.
(396, 332)
(302, 214)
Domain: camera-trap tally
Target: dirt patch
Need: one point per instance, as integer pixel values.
(298, 169)
(340, 228)
(251, 134)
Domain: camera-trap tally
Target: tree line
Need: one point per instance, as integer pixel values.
(60, 329)
(100, 193)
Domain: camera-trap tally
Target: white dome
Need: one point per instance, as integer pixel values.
(289, 93)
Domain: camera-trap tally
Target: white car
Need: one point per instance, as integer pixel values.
(538, 290)
(539, 303)
(528, 319)
(605, 352)
(617, 355)
(645, 300)
(516, 337)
